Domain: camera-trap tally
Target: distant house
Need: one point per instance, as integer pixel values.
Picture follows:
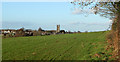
(28, 32)
(24, 32)
(8, 32)
(20, 32)
(49, 32)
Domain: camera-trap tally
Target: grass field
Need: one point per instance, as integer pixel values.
(81, 46)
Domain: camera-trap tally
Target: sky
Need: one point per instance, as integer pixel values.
(57, 0)
(32, 15)
(37, 0)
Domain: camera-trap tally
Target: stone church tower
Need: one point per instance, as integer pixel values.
(58, 28)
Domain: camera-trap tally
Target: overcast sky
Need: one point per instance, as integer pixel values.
(47, 15)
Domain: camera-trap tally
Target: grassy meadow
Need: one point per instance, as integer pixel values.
(82, 46)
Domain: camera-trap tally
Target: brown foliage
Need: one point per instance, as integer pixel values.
(97, 55)
(114, 37)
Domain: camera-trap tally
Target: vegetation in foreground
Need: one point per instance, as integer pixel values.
(83, 46)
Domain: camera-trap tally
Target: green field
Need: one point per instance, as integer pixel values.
(82, 46)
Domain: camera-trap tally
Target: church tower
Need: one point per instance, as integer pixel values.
(58, 28)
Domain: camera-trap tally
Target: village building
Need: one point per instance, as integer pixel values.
(49, 32)
(28, 32)
(8, 32)
(58, 29)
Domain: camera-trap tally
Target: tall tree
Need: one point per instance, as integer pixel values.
(108, 9)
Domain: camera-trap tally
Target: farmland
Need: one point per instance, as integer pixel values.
(82, 46)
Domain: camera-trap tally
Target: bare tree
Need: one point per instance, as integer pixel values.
(109, 10)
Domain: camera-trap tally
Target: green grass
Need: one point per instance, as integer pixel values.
(81, 46)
